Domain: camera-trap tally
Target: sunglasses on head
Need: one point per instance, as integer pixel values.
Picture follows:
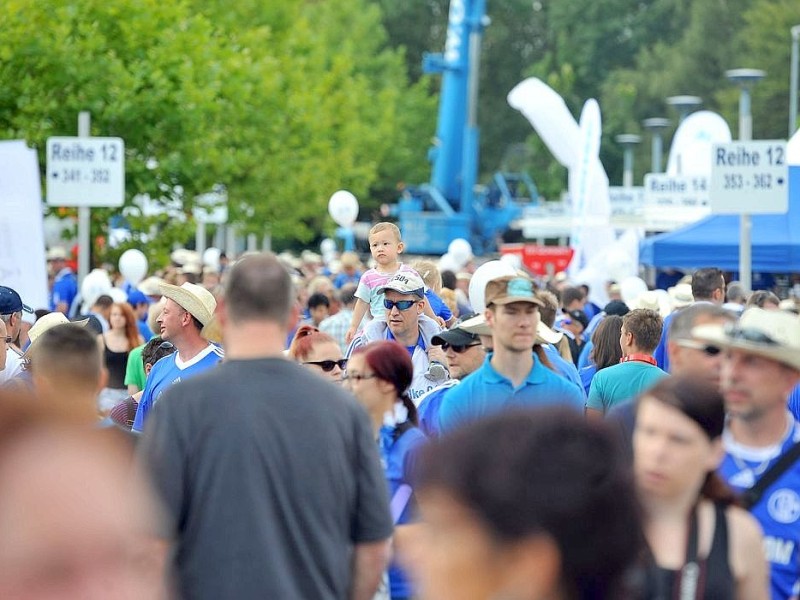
(327, 365)
(400, 304)
(165, 346)
(459, 348)
(706, 348)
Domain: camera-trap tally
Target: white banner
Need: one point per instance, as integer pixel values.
(22, 262)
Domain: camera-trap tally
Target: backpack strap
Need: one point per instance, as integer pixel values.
(750, 498)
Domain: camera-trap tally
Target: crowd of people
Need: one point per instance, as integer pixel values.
(275, 427)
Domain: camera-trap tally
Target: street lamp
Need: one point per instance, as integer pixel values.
(656, 125)
(793, 76)
(745, 79)
(684, 105)
(627, 141)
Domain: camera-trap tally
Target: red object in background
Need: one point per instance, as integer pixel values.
(536, 258)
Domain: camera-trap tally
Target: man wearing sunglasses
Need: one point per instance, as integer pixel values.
(465, 354)
(760, 366)
(404, 299)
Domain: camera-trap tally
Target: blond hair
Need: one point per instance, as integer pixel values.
(448, 296)
(385, 226)
(429, 273)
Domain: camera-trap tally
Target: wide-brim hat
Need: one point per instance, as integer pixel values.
(772, 334)
(479, 326)
(46, 323)
(681, 295)
(193, 298)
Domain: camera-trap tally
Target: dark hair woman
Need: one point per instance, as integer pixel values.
(379, 375)
(606, 350)
(702, 545)
(520, 506)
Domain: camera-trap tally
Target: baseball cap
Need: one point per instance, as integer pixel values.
(511, 288)
(579, 316)
(456, 336)
(405, 283)
(616, 307)
(136, 297)
(10, 302)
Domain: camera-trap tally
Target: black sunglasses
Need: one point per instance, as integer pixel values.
(400, 304)
(327, 365)
(706, 348)
(9, 339)
(458, 348)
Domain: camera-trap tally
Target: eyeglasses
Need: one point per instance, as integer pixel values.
(458, 349)
(358, 376)
(327, 365)
(400, 304)
(708, 350)
(749, 335)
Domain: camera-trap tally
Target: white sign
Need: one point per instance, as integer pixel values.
(211, 208)
(749, 178)
(675, 191)
(85, 171)
(626, 200)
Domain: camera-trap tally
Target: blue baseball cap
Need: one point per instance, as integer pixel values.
(10, 302)
(136, 297)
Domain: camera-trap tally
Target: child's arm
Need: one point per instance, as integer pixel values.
(429, 313)
(358, 314)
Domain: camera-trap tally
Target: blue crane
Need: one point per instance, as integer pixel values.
(452, 205)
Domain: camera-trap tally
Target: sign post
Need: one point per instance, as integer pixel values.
(84, 171)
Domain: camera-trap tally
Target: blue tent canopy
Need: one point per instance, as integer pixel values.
(775, 240)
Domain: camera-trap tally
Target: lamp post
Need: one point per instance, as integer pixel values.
(656, 125)
(793, 77)
(745, 79)
(684, 105)
(628, 141)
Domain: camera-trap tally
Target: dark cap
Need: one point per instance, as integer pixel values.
(455, 336)
(616, 307)
(579, 316)
(10, 302)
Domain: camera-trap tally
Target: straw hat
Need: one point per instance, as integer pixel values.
(681, 295)
(479, 326)
(47, 322)
(193, 298)
(773, 334)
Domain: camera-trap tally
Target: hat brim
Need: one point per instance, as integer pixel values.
(454, 337)
(419, 292)
(476, 325)
(26, 353)
(546, 335)
(512, 299)
(714, 335)
(187, 301)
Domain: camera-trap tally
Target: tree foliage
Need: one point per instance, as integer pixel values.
(281, 103)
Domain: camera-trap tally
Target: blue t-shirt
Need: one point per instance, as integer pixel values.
(428, 409)
(565, 368)
(485, 392)
(398, 455)
(778, 510)
(169, 371)
(438, 307)
(587, 373)
(794, 402)
(620, 383)
(661, 355)
(583, 358)
(65, 288)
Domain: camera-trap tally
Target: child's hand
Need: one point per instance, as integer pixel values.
(348, 337)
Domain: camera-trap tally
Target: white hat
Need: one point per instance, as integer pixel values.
(57, 253)
(193, 298)
(681, 295)
(47, 322)
(151, 286)
(773, 334)
(405, 283)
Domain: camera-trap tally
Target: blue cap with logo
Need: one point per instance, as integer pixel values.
(10, 302)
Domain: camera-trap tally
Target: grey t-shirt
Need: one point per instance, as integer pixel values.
(270, 475)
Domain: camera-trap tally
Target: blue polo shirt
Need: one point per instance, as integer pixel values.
(485, 392)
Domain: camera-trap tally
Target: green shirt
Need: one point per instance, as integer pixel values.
(619, 383)
(134, 372)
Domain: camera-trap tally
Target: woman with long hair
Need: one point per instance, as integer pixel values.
(701, 544)
(518, 505)
(115, 344)
(606, 350)
(379, 375)
(318, 351)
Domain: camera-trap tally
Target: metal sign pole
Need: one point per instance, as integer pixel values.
(84, 212)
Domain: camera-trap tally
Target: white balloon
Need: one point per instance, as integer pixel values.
(95, 284)
(449, 263)
(327, 246)
(461, 250)
(133, 265)
(211, 257)
(631, 288)
(515, 260)
(118, 295)
(483, 275)
(343, 207)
